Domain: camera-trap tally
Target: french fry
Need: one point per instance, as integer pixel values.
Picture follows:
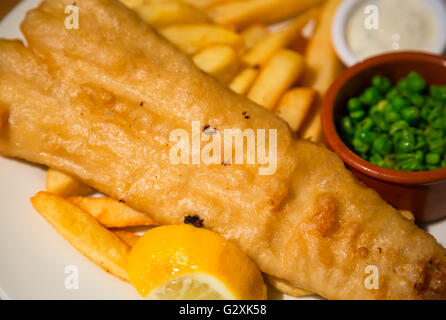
(244, 80)
(254, 34)
(322, 61)
(323, 68)
(64, 185)
(312, 129)
(245, 12)
(300, 43)
(132, 4)
(294, 106)
(278, 75)
(204, 3)
(218, 61)
(84, 233)
(111, 213)
(265, 49)
(128, 237)
(166, 13)
(195, 37)
(286, 287)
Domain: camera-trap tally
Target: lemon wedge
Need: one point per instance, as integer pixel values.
(182, 262)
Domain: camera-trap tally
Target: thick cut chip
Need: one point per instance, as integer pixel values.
(284, 69)
(294, 106)
(65, 185)
(84, 233)
(218, 61)
(194, 37)
(111, 213)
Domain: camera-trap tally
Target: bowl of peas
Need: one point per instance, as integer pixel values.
(386, 118)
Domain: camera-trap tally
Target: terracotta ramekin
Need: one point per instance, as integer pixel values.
(423, 193)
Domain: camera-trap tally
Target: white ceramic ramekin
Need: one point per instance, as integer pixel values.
(346, 9)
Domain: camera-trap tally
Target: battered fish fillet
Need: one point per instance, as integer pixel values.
(100, 102)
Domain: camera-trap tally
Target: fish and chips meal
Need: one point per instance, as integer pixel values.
(112, 105)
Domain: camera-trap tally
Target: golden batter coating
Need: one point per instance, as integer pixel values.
(100, 102)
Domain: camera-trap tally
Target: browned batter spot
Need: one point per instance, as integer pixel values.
(97, 94)
(324, 217)
(193, 220)
(431, 282)
(363, 252)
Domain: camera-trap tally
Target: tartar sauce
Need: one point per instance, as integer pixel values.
(379, 26)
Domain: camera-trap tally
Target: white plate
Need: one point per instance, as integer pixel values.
(33, 256)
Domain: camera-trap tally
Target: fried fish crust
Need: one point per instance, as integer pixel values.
(99, 103)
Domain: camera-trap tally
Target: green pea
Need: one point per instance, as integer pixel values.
(421, 141)
(376, 117)
(415, 166)
(397, 137)
(409, 165)
(360, 146)
(357, 115)
(433, 158)
(405, 146)
(365, 136)
(366, 124)
(374, 110)
(438, 92)
(397, 126)
(416, 99)
(382, 124)
(435, 113)
(433, 134)
(383, 84)
(378, 160)
(402, 85)
(435, 104)
(371, 96)
(398, 102)
(404, 134)
(407, 134)
(389, 108)
(382, 145)
(419, 156)
(415, 82)
(425, 113)
(347, 125)
(410, 114)
(400, 157)
(393, 93)
(390, 161)
(431, 102)
(438, 123)
(437, 146)
(392, 116)
(354, 104)
(382, 104)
